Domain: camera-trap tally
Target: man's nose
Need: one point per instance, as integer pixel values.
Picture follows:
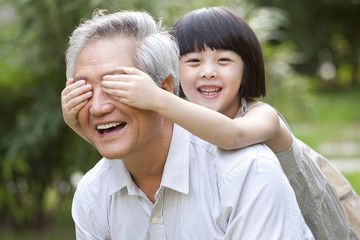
(100, 104)
(209, 71)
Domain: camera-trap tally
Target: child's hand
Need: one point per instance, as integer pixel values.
(73, 98)
(134, 88)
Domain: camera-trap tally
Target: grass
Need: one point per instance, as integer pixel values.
(335, 118)
(354, 179)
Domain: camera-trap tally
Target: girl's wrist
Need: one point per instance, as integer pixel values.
(161, 101)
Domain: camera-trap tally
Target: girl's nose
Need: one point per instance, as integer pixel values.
(209, 72)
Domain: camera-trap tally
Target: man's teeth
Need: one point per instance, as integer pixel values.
(107, 126)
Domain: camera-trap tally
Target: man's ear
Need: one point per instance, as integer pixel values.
(168, 84)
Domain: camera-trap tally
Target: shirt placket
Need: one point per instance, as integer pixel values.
(156, 224)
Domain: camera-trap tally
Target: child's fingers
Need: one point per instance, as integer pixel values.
(116, 92)
(118, 95)
(73, 102)
(69, 82)
(75, 109)
(132, 71)
(71, 86)
(115, 85)
(80, 91)
(73, 91)
(70, 116)
(72, 108)
(120, 78)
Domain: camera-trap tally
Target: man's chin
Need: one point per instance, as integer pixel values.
(110, 156)
(108, 150)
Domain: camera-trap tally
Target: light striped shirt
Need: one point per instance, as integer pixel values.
(205, 193)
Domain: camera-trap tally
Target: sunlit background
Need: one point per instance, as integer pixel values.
(312, 58)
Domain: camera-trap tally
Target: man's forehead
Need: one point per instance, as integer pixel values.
(112, 72)
(104, 56)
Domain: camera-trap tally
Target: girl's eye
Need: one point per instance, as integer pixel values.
(224, 60)
(193, 60)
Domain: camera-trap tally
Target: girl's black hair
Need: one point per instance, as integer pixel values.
(219, 28)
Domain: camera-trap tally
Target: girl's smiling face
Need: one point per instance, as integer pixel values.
(212, 78)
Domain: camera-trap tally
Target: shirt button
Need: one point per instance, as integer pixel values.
(154, 220)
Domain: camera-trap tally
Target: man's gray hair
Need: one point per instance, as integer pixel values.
(155, 52)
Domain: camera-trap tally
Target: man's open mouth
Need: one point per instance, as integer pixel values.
(110, 127)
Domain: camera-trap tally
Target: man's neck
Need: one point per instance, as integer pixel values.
(147, 168)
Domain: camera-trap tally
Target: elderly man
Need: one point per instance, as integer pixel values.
(156, 180)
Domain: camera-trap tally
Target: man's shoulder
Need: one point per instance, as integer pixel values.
(95, 177)
(253, 151)
(91, 199)
(235, 156)
(241, 159)
(227, 163)
(235, 161)
(97, 169)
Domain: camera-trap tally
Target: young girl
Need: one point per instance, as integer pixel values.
(221, 72)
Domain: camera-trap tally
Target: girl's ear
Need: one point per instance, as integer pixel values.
(168, 84)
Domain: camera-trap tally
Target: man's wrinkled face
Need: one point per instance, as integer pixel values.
(116, 130)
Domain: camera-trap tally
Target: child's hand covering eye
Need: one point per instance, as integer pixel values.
(134, 88)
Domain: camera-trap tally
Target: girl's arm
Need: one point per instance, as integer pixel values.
(137, 89)
(74, 97)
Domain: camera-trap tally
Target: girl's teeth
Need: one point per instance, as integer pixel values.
(209, 92)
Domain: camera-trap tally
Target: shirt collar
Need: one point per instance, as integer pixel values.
(176, 169)
(119, 176)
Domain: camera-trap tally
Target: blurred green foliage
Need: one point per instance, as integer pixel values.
(326, 34)
(354, 178)
(336, 120)
(35, 144)
(39, 154)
